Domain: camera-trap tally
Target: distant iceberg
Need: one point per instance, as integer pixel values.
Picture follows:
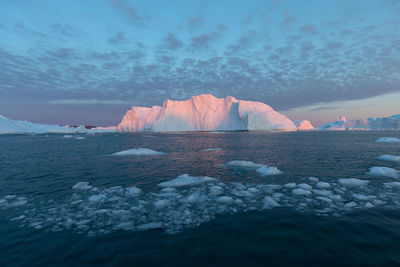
(205, 113)
(391, 123)
(303, 125)
(9, 126)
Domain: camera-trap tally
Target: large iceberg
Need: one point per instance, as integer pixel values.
(9, 126)
(372, 124)
(205, 113)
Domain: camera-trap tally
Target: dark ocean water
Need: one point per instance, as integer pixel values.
(228, 221)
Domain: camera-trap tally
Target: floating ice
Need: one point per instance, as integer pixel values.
(392, 184)
(212, 149)
(266, 171)
(389, 158)
(80, 138)
(301, 192)
(242, 164)
(384, 171)
(261, 169)
(138, 152)
(353, 182)
(269, 202)
(175, 207)
(388, 140)
(323, 185)
(186, 180)
(82, 186)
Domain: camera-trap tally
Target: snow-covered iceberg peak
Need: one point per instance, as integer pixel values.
(205, 113)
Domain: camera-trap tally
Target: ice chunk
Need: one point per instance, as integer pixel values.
(388, 140)
(324, 199)
(224, 199)
(266, 171)
(384, 171)
(353, 182)
(392, 184)
(97, 198)
(242, 164)
(324, 193)
(290, 185)
(369, 205)
(186, 180)
(389, 158)
(82, 186)
(212, 149)
(138, 152)
(301, 192)
(132, 191)
(323, 185)
(305, 186)
(313, 179)
(161, 203)
(80, 138)
(269, 202)
(351, 204)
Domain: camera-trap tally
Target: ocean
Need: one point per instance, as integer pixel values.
(67, 200)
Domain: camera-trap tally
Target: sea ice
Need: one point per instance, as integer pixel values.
(186, 180)
(323, 185)
(138, 152)
(82, 186)
(132, 191)
(392, 184)
(353, 182)
(269, 202)
(389, 158)
(384, 171)
(388, 140)
(261, 169)
(301, 192)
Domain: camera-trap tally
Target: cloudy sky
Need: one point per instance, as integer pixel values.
(86, 61)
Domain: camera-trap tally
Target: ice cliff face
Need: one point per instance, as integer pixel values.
(303, 125)
(372, 124)
(205, 113)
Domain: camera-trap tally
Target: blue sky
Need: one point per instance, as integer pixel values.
(85, 61)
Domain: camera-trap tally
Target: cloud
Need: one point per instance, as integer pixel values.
(87, 102)
(118, 38)
(324, 108)
(202, 41)
(308, 29)
(171, 42)
(130, 13)
(194, 22)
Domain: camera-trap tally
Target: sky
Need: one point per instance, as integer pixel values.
(87, 62)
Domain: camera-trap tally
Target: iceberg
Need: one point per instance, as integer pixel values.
(9, 126)
(391, 123)
(205, 113)
(303, 125)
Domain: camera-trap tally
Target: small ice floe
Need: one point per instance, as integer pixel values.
(186, 180)
(301, 192)
(392, 185)
(212, 149)
(389, 158)
(80, 138)
(82, 186)
(384, 172)
(388, 140)
(132, 191)
(269, 202)
(323, 185)
(353, 182)
(138, 152)
(67, 136)
(263, 170)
